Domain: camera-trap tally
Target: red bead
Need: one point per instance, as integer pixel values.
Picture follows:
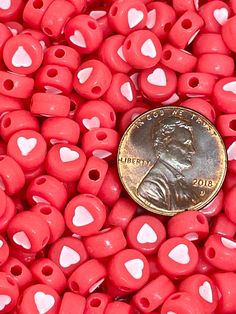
(142, 49)
(160, 18)
(112, 54)
(128, 270)
(121, 94)
(54, 79)
(201, 106)
(181, 6)
(126, 17)
(95, 114)
(226, 124)
(23, 54)
(65, 162)
(105, 243)
(228, 33)
(83, 33)
(72, 303)
(19, 271)
(47, 272)
(9, 292)
(47, 190)
(85, 214)
(203, 289)
(11, 10)
(145, 234)
(92, 79)
(92, 176)
(158, 83)
(203, 266)
(54, 219)
(10, 212)
(97, 303)
(153, 294)
(87, 277)
(222, 225)
(130, 115)
(224, 95)
(216, 64)
(5, 35)
(9, 104)
(191, 225)
(34, 11)
(185, 29)
(40, 36)
(37, 299)
(229, 204)
(62, 56)
(68, 253)
(220, 252)
(215, 206)
(215, 14)
(28, 231)
(4, 251)
(60, 130)
(15, 85)
(28, 148)
(209, 43)
(177, 257)
(117, 307)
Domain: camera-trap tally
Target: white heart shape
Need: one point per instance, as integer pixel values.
(126, 91)
(52, 90)
(97, 14)
(26, 145)
(221, 15)
(231, 151)
(84, 75)
(21, 58)
(151, 19)
(157, 77)
(82, 217)
(205, 292)
(230, 87)
(121, 54)
(67, 154)
(1, 243)
(92, 123)
(68, 257)
(96, 285)
(4, 301)
(135, 267)
(5, 4)
(44, 302)
(134, 17)
(101, 153)
(148, 49)
(179, 254)
(21, 239)
(228, 243)
(78, 39)
(146, 235)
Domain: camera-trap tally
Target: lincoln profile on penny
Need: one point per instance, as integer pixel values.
(164, 185)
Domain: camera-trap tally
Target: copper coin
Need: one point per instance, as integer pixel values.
(172, 159)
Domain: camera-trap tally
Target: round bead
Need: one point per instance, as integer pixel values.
(226, 124)
(34, 11)
(92, 79)
(23, 54)
(117, 307)
(201, 106)
(72, 303)
(28, 231)
(177, 257)
(224, 96)
(145, 234)
(87, 277)
(209, 43)
(129, 270)
(10, 212)
(223, 226)
(10, 11)
(216, 64)
(9, 292)
(130, 115)
(85, 214)
(9, 104)
(228, 33)
(97, 303)
(215, 206)
(5, 35)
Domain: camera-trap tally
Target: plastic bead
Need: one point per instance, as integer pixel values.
(224, 96)
(129, 270)
(9, 213)
(229, 204)
(65, 162)
(130, 115)
(83, 33)
(85, 214)
(72, 303)
(126, 17)
(154, 294)
(87, 277)
(9, 292)
(181, 6)
(47, 190)
(23, 54)
(68, 253)
(11, 10)
(40, 36)
(145, 234)
(215, 206)
(39, 298)
(201, 106)
(209, 43)
(228, 33)
(5, 35)
(92, 79)
(177, 257)
(203, 266)
(9, 104)
(97, 303)
(191, 225)
(226, 124)
(223, 226)
(34, 11)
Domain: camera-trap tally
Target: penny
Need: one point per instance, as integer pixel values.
(172, 159)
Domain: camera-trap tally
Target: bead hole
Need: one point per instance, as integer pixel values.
(211, 252)
(74, 286)
(193, 82)
(94, 175)
(38, 4)
(167, 55)
(186, 24)
(144, 302)
(47, 270)
(16, 270)
(101, 136)
(200, 219)
(46, 210)
(92, 24)
(6, 122)
(128, 44)
(96, 90)
(232, 125)
(114, 11)
(40, 181)
(59, 53)
(8, 84)
(95, 302)
(167, 27)
(47, 31)
(52, 73)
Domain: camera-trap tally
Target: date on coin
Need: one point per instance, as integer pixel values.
(172, 159)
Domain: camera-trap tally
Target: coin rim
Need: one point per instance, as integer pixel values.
(161, 211)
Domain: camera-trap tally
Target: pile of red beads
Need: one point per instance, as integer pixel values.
(73, 75)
